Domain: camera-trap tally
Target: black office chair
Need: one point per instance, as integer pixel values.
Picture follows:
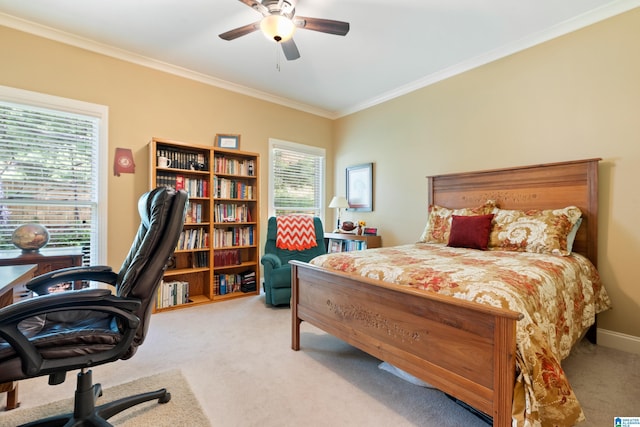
(51, 334)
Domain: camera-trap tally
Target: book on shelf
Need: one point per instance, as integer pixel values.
(185, 160)
(172, 293)
(233, 236)
(200, 259)
(235, 282)
(226, 257)
(179, 182)
(231, 212)
(193, 238)
(232, 166)
(193, 212)
(226, 188)
(345, 245)
(354, 245)
(195, 187)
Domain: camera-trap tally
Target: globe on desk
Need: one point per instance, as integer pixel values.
(30, 237)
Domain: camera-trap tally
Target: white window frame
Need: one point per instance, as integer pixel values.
(100, 112)
(302, 148)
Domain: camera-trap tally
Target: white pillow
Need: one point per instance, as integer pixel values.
(572, 235)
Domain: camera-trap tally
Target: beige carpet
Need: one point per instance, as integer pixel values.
(182, 406)
(236, 357)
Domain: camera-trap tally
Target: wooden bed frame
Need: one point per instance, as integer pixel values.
(465, 349)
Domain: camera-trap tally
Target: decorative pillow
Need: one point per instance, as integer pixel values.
(540, 231)
(571, 237)
(439, 222)
(470, 231)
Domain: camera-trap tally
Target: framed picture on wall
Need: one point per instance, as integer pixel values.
(360, 187)
(228, 141)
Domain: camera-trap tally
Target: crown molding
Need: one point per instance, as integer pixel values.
(93, 46)
(561, 29)
(571, 25)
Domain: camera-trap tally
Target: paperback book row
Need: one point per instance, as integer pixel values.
(193, 238)
(233, 236)
(339, 245)
(231, 189)
(195, 187)
(172, 293)
(229, 283)
(193, 213)
(231, 212)
(229, 166)
(184, 160)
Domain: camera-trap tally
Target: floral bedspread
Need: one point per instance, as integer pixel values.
(558, 296)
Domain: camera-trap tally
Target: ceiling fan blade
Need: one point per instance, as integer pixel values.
(256, 5)
(240, 31)
(290, 50)
(338, 28)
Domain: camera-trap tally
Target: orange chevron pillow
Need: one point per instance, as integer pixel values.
(295, 232)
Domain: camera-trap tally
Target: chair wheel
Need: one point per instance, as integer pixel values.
(166, 398)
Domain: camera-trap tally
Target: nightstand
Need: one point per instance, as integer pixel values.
(345, 242)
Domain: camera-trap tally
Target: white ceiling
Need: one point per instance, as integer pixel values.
(393, 47)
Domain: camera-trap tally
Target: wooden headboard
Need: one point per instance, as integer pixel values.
(546, 186)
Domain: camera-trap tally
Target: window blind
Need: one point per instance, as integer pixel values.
(298, 177)
(49, 174)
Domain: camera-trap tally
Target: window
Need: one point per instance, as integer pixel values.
(50, 170)
(296, 179)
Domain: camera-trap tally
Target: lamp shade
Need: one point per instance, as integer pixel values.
(339, 202)
(277, 27)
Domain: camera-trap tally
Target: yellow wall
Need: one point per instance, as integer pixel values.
(144, 103)
(575, 97)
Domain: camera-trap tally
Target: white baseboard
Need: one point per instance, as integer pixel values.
(619, 341)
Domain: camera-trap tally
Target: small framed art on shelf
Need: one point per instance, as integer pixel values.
(228, 141)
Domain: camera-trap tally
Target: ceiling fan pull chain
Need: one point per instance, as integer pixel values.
(277, 57)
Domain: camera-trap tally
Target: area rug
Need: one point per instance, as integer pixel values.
(182, 409)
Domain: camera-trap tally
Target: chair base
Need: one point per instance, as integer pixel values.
(85, 412)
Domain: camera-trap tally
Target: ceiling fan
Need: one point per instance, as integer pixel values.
(279, 23)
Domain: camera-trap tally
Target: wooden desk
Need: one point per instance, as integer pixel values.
(12, 289)
(47, 259)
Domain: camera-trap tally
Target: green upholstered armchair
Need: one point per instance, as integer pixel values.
(277, 270)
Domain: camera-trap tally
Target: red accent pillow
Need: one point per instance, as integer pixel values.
(470, 231)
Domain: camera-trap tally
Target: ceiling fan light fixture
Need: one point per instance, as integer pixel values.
(277, 27)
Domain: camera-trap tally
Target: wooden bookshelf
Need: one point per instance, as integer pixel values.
(345, 242)
(220, 239)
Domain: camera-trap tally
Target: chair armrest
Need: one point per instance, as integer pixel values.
(96, 300)
(270, 260)
(98, 273)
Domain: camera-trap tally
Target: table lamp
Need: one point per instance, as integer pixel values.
(339, 202)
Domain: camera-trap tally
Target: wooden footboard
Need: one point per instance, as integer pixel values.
(463, 348)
